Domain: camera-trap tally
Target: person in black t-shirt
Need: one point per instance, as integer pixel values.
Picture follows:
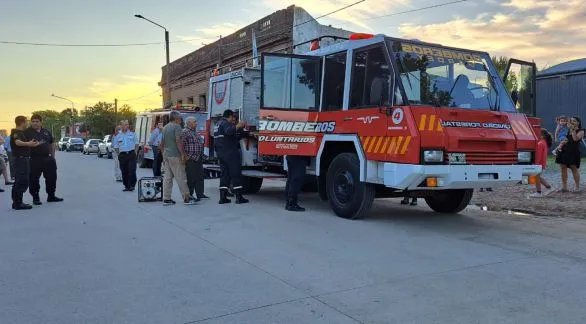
(21, 151)
(42, 161)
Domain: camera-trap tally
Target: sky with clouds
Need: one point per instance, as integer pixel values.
(547, 31)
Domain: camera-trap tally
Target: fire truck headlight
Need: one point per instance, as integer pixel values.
(433, 156)
(524, 157)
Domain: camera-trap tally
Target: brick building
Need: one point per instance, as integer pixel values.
(278, 32)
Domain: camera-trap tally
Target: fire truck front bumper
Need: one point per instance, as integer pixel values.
(439, 177)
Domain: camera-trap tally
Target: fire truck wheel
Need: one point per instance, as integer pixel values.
(252, 185)
(450, 201)
(349, 198)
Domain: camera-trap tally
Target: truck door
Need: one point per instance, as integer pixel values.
(290, 98)
(519, 79)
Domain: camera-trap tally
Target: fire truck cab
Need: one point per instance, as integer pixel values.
(385, 117)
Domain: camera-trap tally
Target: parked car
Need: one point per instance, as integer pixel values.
(105, 147)
(62, 144)
(91, 146)
(74, 144)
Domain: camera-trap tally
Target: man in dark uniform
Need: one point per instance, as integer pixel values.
(42, 161)
(295, 178)
(21, 152)
(227, 138)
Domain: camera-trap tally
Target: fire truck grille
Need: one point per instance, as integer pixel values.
(487, 157)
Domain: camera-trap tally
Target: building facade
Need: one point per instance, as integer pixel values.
(559, 92)
(289, 30)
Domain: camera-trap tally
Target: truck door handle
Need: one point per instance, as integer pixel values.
(348, 118)
(270, 117)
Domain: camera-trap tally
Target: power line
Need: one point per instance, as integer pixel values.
(330, 13)
(416, 10)
(95, 45)
(140, 97)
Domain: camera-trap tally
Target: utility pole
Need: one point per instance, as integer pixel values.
(115, 112)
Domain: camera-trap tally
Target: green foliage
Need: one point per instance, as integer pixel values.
(101, 119)
(53, 120)
(501, 65)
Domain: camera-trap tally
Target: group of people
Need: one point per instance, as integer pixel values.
(567, 139)
(179, 149)
(178, 155)
(32, 154)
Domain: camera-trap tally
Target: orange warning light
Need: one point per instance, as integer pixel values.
(358, 36)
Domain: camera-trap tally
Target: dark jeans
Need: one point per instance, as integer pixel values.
(21, 178)
(11, 164)
(194, 171)
(157, 161)
(295, 176)
(47, 166)
(128, 168)
(231, 169)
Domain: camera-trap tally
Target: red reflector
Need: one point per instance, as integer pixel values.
(358, 36)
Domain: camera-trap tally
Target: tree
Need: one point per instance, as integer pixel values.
(501, 64)
(52, 120)
(100, 119)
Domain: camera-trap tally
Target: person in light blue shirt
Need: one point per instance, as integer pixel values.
(154, 142)
(9, 154)
(126, 146)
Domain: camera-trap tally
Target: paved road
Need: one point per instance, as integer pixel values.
(101, 257)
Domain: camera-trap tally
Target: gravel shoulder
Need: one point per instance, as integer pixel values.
(556, 204)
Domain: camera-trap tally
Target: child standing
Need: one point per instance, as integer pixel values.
(544, 143)
(561, 131)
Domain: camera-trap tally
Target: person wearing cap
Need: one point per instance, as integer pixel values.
(42, 161)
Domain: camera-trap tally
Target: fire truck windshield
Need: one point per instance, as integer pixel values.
(443, 77)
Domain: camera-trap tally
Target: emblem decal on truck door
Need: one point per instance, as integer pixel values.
(397, 116)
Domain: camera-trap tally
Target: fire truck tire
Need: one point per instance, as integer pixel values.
(252, 185)
(349, 198)
(450, 201)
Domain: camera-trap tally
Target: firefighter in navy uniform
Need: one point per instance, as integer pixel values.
(21, 152)
(227, 138)
(295, 177)
(42, 161)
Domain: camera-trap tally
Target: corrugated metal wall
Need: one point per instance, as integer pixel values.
(558, 96)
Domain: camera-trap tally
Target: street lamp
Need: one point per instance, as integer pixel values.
(72, 108)
(72, 105)
(168, 86)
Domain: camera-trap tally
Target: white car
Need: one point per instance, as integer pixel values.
(105, 147)
(62, 145)
(91, 146)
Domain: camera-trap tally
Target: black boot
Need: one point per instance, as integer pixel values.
(223, 199)
(240, 199)
(53, 198)
(37, 200)
(293, 206)
(17, 203)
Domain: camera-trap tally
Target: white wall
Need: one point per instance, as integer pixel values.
(312, 30)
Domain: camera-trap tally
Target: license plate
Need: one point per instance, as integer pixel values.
(457, 158)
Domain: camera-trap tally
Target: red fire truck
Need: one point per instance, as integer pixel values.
(380, 117)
